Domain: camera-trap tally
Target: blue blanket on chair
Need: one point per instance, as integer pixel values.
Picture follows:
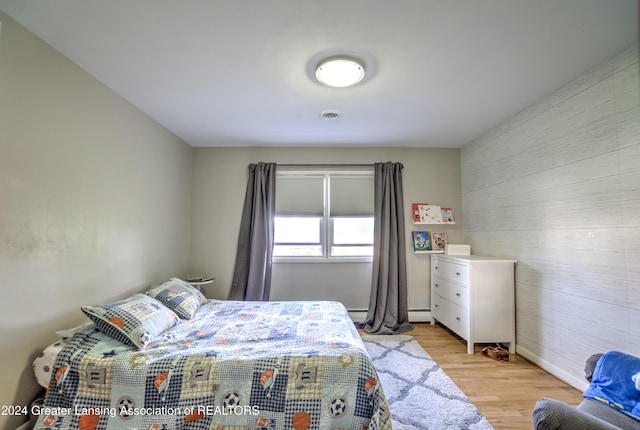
(613, 385)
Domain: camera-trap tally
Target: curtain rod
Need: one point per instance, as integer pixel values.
(323, 165)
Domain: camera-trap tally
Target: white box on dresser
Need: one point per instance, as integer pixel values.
(474, 296)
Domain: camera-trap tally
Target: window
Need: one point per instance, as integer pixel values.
(298, 236)
(351, 236)
(323, 215)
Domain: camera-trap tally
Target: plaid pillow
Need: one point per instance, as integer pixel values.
(135, 321)
(179, 296)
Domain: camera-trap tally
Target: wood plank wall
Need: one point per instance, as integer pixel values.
(557, 187)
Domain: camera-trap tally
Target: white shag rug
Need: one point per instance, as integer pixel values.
(420, 395)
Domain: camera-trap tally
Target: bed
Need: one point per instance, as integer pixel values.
(211, 364)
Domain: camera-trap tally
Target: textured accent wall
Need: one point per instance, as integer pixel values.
(558, 188)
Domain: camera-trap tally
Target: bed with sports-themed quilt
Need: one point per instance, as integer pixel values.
(171, 359)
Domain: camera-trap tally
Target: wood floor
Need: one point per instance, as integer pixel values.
(504, 391)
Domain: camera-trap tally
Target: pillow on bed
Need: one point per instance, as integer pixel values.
(44, 363)
(178, 296)
(70, 332)
(135, 321)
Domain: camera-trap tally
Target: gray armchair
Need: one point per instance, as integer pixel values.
(550, 414)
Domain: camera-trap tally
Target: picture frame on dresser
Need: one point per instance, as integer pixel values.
(438, 240)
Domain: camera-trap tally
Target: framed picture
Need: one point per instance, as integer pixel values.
(430, 213)
(438, 240)
(415, 210)
(424, 213)
(421, 241)
(447, 215)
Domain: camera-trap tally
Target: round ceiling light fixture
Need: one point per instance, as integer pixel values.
(340, 71)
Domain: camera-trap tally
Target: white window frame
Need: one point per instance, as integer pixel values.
(320, 243)
(326, 228)
(331, 237)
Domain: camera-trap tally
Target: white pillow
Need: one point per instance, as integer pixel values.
(636, 379)
(43, 364)
(68, 333)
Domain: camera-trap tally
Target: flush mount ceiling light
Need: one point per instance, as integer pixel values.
(340, 72)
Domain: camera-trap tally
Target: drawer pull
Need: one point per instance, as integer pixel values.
(436, 306)
(458, 294)
(458, 318)
(436, 285)
(436, 267)
(457, 273)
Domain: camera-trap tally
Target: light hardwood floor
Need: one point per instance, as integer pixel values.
(504, 391)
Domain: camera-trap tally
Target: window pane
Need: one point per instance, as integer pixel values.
(297, 251)
(351, 251)
(300, 195)
(294, 230)
(353, 231)
(351, 195)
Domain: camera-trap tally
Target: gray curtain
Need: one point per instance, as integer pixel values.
(388, 310)
(252, 273)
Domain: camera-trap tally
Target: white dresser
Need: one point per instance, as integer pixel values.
(474, 296)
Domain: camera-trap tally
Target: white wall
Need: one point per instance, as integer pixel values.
(220, 178)
(94, 202)
(558, 188)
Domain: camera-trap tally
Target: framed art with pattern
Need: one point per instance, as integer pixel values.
(438, 240)
(421, 241)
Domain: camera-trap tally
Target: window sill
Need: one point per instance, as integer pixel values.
(299, 260)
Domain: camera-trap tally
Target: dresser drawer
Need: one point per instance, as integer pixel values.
(455, 272)
(451, 315)
(437, 310)
(456, 293)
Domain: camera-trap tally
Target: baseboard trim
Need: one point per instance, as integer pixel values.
(577, 383)
(414, 316)
(420, 316)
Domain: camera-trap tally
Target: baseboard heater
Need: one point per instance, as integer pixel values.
(415, 315)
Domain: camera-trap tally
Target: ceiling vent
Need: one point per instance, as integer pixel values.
(330, 114)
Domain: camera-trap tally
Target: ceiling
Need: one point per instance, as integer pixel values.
(239, 73)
